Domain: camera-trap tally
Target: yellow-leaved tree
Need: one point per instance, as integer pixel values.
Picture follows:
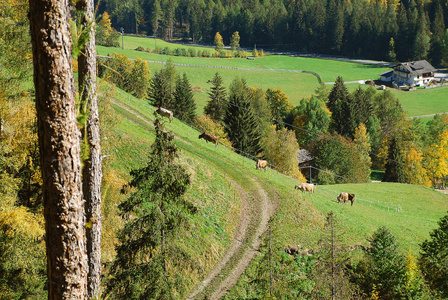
(413, 169)
(362, 142)
(281, 149)
(436, 159)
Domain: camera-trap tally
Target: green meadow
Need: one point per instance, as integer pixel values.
(302, 216)
(268, 74)
(218, 173)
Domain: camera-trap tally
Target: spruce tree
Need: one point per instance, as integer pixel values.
(329, 267)
(216, 106)
(184, 107)
(338, 93)
(382, 268)
(395, 162)
(239, 120)
(154, 214)
(159, 91)
(434, 259)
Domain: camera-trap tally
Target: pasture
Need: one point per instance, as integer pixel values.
(261, 72)
(300, 216)
(295, 85)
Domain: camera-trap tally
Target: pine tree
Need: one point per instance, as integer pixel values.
(154, 214)
(438, 31)
(382, 269)
(395, 162)
(331, 280)
(338, 93)
(184, 107)
(434, 259)
(216, 106)
(159, 94)
(239, 120)
(422, 39)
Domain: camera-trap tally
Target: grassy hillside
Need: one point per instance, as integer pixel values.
(216, 173)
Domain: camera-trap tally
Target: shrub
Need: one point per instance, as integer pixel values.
(205, 123)
(139, 48)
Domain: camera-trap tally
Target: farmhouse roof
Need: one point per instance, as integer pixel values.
(304, 156)
(417, 67)
(387, 73)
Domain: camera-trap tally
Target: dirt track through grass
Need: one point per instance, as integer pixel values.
(256, 209)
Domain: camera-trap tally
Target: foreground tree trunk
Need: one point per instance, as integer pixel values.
(91, 173)
(59, 148)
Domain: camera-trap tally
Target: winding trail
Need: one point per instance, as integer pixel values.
(256, 210)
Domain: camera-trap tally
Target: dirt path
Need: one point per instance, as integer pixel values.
(256, 209)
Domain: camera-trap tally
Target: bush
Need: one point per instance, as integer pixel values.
(191, 52)
(326, 177)
(139, 48)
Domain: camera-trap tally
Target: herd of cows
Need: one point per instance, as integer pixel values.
(261, 164)
(342, 198)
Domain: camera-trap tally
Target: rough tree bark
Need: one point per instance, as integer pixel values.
(59, 149)
(91, 172)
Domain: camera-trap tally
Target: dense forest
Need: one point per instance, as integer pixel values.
(376, 29)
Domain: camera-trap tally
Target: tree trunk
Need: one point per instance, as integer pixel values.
(91, 172)
(59, 149)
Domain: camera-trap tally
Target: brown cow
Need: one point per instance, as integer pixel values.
(210, 138)
(164, 113)
(343, 197)
(351, 198)
(262, 164)
(305, 187)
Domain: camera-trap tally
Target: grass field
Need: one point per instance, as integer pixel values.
(299, 219)
(376, 203)
(295, 85)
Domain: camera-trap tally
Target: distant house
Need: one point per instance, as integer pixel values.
(416, 73)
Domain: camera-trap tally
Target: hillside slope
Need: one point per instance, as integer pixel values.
(221, 178)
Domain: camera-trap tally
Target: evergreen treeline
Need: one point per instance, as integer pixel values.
(377, 29)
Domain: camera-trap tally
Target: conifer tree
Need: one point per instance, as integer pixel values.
(331, 280)
(159, 94)
(239, 120)
(382, 268)
(184, 107)
(338, 93)
(154, 214)
(434, 259)
(438, 31)
(216, 106)
(395, 162)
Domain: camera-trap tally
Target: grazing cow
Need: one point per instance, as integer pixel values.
(262, 164)
(351, 198)
(164, 113)
(305, 187)
(210, 138)
(343, 197)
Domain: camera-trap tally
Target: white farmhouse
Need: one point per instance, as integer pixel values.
(415, 73)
